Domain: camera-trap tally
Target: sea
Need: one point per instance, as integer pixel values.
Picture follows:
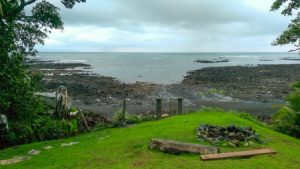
(162, 68)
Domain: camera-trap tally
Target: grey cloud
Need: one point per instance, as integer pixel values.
(211, 23)
(201, 15)
(166, 12)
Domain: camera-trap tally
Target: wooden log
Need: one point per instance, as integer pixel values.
(237, 154)
(176, 147)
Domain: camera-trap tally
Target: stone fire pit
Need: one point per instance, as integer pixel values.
(232, 135)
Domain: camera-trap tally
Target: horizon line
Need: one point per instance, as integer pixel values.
(159, 52)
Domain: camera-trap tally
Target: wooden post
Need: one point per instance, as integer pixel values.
(84, 120)
(172, 107)
(158, 108)
(124, 109)
(180, 109)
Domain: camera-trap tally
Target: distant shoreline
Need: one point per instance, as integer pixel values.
(163, 68)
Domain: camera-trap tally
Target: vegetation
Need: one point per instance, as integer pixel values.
(287, 119)
(292, 34)
(212, 91)
(121, 120)
(128, 147)
(20, 32)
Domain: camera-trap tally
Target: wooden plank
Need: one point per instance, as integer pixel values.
(237, 154)
(176, 147)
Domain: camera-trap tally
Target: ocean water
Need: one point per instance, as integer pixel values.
(162, 68)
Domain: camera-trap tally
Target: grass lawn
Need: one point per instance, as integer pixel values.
(127, 147)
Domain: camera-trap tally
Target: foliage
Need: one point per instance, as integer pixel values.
(133, 119)
(127, 148)
(119, 118)
(212, 91)
(73, 109)
(287, 119)
(292, 34)
(20, 32)
(42, 128)
(122, 120)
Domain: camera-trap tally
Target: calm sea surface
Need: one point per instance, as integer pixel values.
(164, 68)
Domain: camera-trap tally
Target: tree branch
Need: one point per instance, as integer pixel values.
(25, 3)
(1, 11)
(293, 50)
(30, 2)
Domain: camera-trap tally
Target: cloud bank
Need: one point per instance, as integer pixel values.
(168, 26)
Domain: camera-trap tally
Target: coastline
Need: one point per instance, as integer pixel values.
(251, 89)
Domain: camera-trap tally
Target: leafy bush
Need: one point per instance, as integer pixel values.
(119, 119)
(122, 120)
(42, 128)
(287, 119)
(133, 119)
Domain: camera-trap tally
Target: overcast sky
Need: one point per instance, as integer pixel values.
(168, 26)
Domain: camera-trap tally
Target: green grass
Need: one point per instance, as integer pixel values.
(127, 147)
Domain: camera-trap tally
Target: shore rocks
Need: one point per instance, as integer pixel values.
(214, 60)
(102, 94)
(262, 83)
(232, 135)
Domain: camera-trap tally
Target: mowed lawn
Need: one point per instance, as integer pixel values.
(128, 147)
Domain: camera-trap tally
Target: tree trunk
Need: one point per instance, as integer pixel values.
(175, 147)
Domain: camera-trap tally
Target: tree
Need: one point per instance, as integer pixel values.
(292, 34)
(20, 32)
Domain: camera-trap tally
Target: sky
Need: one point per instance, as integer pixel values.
(168, 26)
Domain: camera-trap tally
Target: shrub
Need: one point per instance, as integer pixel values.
(42, 128)
(122, 120)
(287, 119)
(119, 119)
(133, 119)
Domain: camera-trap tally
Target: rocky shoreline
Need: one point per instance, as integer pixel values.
(250, 89)
(262, 83)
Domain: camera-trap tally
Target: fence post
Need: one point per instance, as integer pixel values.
(158, 108)
(172, 107)
(180, 109)
(124, 109)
